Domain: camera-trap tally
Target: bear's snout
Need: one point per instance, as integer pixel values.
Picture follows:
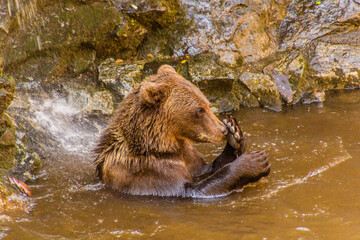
(222, 130)
(225, 130)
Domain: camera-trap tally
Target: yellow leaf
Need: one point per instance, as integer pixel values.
(318, 2)
(183, 61)
(119, 60)
(150, 55)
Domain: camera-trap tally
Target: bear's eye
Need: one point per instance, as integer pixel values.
(200, 111)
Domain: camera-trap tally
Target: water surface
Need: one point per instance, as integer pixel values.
(311, 193)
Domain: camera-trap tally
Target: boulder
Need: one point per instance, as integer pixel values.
(120, 77)
(214, 80)
(336, 65)
(264, 89)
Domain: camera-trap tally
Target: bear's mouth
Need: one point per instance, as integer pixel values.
(212, 139)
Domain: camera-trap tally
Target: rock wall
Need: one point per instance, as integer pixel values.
(302, 47)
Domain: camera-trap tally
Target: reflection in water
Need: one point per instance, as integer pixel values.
(311, 193)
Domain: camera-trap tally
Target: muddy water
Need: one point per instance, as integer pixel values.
(313, 191)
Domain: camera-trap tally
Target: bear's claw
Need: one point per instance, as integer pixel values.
(235, 135)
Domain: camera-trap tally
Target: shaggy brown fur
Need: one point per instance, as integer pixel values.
(147, 147)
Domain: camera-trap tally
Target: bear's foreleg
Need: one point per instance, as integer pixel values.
(244, 169)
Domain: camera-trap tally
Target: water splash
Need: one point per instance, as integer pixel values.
(67, 124)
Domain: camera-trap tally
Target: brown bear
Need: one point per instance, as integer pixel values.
(147, 149)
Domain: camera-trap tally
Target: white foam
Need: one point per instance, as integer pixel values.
(57, 117)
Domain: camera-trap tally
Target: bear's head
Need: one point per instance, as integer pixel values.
(182, 108)
(162, 113)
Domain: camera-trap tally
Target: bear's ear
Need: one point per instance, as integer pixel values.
(153, 93)
(165, 69)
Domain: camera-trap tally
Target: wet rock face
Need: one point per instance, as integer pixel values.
(69, 33)
(7, 132)
(236, 31)
(150, 14)
(7, 142)
(282, 85)
(327, 32)
(46, 45)
(7, 89)
(308, 20)
(337, 65)
(213, 79)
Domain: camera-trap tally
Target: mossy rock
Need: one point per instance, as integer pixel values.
(244, 96)
(120, 77)
(156, 13)
(7, 142)
(67, 27)
(206, 67)
(7, 89)
(262, 87)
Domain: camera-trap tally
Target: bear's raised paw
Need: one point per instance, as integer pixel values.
(235, 136)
